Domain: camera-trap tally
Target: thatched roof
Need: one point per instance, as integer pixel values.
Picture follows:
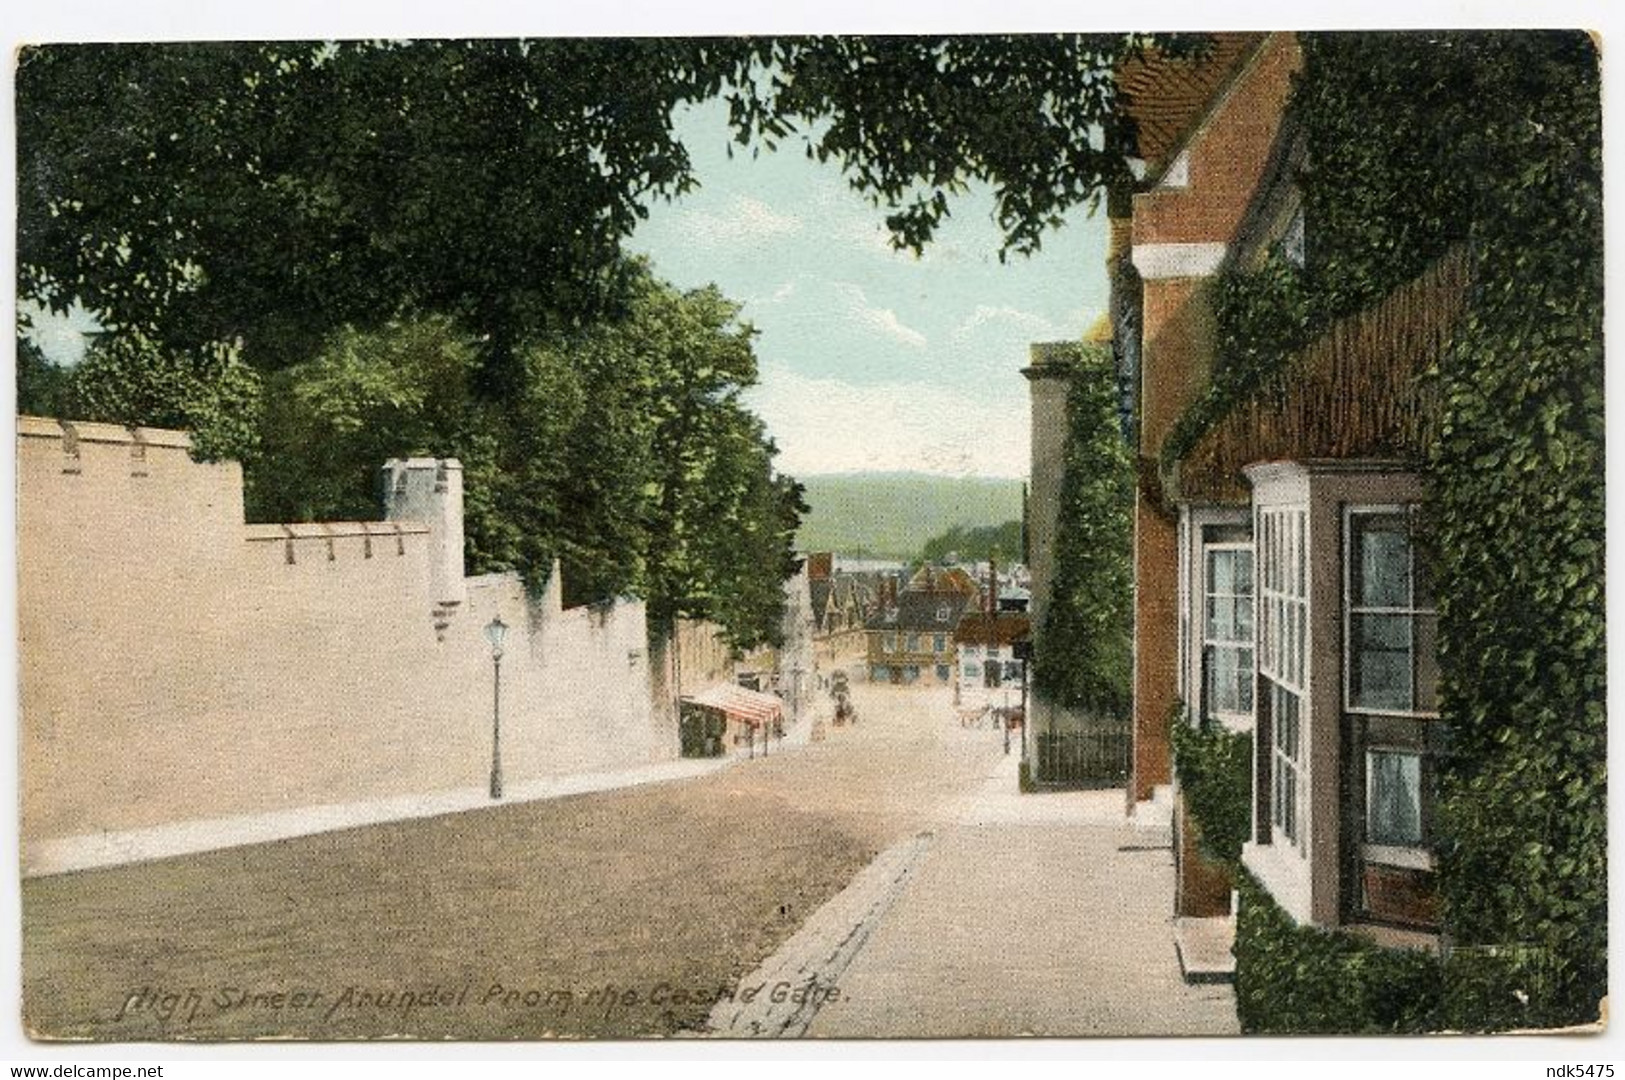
(1354, 393)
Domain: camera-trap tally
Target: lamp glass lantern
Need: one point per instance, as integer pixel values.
(496, 631)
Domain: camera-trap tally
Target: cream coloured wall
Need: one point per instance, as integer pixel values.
(178, 665)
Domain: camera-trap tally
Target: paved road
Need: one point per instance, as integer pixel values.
(626, 913)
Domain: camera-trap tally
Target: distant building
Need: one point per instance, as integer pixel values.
(912, 638)
(989, 672)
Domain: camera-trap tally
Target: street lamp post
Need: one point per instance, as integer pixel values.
(495, 631)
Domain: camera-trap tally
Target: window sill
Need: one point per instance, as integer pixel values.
(1409, 858)
(1394, 937)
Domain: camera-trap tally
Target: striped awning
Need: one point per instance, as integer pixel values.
(746, 706)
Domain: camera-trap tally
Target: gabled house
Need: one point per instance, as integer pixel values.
(912, 639)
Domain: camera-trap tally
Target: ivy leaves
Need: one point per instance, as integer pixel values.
(1084, 656)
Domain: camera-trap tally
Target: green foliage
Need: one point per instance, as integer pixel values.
(622, 451)
(1215, 779)
(1024, 779)
(126, 378)
(43, 388)
(1518, 524)
(277, 192)
(975, 543)
(1495, 138)
(332, 421)
(1083, 654)
(1301, 980)
(1263, 315)
(1417, 143)
(893, 515)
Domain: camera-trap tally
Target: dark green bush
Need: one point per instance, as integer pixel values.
(1084, 649)
(1215, 779)
(1300, 980)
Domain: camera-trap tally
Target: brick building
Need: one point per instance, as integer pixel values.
(1278, 588)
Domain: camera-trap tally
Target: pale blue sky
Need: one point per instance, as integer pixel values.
(872, 359)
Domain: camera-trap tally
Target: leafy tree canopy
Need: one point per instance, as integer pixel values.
(268, 194)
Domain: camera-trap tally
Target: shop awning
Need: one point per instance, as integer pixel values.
(746, 706)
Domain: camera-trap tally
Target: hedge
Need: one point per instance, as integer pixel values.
(1084, 650)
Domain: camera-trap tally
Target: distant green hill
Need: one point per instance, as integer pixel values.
(892, 515)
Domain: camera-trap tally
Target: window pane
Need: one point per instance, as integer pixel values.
(1382, 563)
(1229, 680)
(1218, 693)
(1285, 710)
(1394, 815)
(1221, 572)
(1244, 573)
(1221, 615)
(1241, 627)
(1303, 637)
(1380, 674)
(1299, 561)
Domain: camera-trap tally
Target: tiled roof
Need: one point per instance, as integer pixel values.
(1008, 626)
(917, 610)
(1167, 96)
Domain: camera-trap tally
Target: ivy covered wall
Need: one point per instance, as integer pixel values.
(1084, 656)
(1417, 144)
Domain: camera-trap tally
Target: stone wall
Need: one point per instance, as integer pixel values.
(178, 665)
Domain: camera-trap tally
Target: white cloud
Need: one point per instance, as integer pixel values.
(1006, 320)
(883, 321)
(746, 221)
(826, 425)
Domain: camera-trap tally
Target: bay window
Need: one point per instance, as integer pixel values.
(1282, 534)
(1390, 710)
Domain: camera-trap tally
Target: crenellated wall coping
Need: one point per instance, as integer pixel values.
(74, 433)
(331, 530)
(40, 427)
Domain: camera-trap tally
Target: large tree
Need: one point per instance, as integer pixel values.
(271, 193)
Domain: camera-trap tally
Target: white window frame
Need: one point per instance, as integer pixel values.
(1280, 568)
(1182, 680)
(1204, 642)
(1350, 512)
(1392, 854)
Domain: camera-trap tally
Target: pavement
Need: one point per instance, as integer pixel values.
(1040, 914)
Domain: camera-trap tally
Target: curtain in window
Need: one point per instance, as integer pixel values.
(1394, 814)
